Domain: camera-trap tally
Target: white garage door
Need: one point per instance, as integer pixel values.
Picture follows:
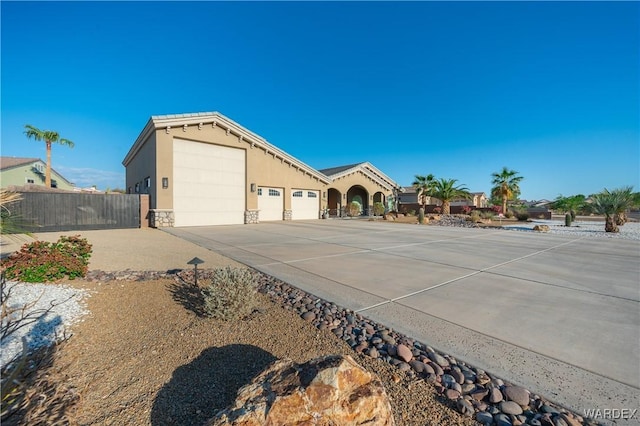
(208, 184)
(305, 204)
(270, 203)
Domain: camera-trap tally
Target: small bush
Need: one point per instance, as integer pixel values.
(42, 261)
(411, 213)
(509, 214)
(466, 210)
(230, 295)
(522, 216)
(437, 210)
(475, 216)
(487, 214)
(355, 208)
(378, 208)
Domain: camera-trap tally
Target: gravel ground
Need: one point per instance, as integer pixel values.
(69, 306)
(629, 231)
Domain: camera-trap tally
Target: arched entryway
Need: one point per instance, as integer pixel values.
(358, 198)
(334, 203)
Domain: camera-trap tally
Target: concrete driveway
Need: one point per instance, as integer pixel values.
(556, 314)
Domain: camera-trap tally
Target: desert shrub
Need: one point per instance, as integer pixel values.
(466, 209)
(497, 209)
(487, 214)
(42, 261)
(475, 216)
(355, 208)
(378, 208)
(411, 213)
(522, 216)
(230, 295)
(509, 214)
(567, 219)
(437, 210)
(421, 216)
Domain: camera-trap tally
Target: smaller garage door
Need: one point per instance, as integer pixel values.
(270, 203)
(305, 204)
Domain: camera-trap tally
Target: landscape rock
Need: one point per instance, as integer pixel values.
(541, 228)
(517, 394)
(331, 390)
(404, 353)
(510, 407)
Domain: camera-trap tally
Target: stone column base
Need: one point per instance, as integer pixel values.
(251, 216)
(161, 218)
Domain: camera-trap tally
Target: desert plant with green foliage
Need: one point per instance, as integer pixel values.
(487, 214)
(378, 208)
(231, 294)
(567, 219)
(421, 216)
(354, 208)
(42, 261)
(446, 190)
(475, 216)
(613, 204)
(572, 205)
(522, 215)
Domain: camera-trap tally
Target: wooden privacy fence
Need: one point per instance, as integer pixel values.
(48, 212)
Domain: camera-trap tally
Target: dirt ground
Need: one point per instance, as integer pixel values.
(144, 356)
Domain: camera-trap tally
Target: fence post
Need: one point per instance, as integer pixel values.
(144, 210)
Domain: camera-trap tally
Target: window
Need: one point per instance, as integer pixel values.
(297, 194)
(259, 191)
(54, 184)
(39, 167)
(129, 190)
(27, 180)
(274, 193)
(137, 188)
(147, 182)
(312, 194)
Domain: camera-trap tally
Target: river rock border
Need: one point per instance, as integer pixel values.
(474, 392)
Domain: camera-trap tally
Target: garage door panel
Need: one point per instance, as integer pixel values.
(209, 184)
(305, 204)
(270, 203)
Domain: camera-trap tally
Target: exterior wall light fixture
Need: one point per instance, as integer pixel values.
(165, 182)
(253, 187)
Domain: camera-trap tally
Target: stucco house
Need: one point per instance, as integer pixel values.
(19, 171)
(206, 169)
(409, 199)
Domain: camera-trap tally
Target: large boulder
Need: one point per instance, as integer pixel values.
(331, 390)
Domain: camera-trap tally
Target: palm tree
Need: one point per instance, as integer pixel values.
(423, 186)
(445, 190)
(49, 137)
(505, 185)
(613, 205)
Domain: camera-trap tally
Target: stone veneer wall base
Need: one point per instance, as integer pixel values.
(160, 218)
(251, 216)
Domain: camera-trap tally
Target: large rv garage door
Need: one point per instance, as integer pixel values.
(270, 203)
(305, 204)
(208, 184)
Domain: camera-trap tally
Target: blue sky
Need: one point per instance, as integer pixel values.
(457, 89)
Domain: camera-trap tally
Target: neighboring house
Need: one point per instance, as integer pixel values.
(478, 200)
(409, 196)
(18, 172)
(205, 169)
